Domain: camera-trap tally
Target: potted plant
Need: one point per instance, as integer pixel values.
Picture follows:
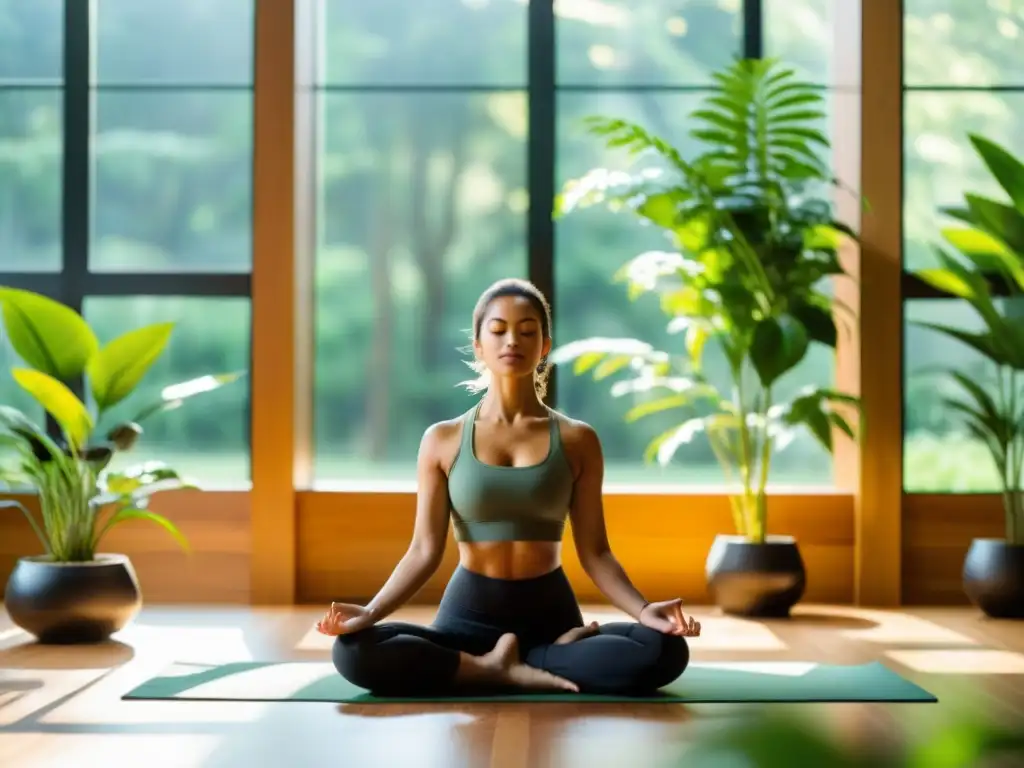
(750, 242)
(72, 593)
(991, 254)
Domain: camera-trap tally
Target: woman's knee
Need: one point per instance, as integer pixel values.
(356, 657)
(668, 656)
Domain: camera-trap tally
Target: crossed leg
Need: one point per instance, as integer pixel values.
(622, 658)
(403, 659)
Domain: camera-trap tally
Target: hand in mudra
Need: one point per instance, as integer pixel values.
(343, 619)
(667, 617)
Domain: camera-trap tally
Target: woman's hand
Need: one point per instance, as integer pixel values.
(667, 617)
(343, 619)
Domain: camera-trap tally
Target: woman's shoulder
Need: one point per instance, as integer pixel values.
(576, 433)
(441, 434)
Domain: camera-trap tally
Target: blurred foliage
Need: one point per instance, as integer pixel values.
(774, 739)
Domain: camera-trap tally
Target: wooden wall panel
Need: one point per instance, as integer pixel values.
(216, 524)
(348, 543)
(937, 531)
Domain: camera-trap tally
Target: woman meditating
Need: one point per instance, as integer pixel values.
(508, 474)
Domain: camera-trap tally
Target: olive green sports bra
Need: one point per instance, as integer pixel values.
(493, 503)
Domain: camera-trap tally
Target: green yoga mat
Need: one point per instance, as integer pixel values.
(725, 682)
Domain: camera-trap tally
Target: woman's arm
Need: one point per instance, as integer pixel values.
(588, 526)
(430, 532)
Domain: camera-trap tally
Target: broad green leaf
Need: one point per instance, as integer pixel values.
(47, 335)
(998, 219)
(648, 383)
(987, 252)
(125, 514)
(611, 365)
(842, 424)
(660, 209)
(947, 281)
(59, 401)
(595, 349)
(819, 322)
(810, 413)
(778, 345)
(1007, 169)
(696, 339)
(660, 405)
(823, 236)
(175, 395)
(116, 370)
(663, 447)
(17, 423)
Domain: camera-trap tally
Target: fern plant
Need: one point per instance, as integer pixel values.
(80, 498)
(750, 245)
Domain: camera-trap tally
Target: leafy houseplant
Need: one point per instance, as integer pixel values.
(991, 252)
(750, 242)
(71, 592)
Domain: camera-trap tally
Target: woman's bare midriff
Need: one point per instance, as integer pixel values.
(511, 559)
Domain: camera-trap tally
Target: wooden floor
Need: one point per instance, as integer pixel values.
(61, 707)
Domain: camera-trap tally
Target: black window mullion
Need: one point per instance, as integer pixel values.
(76, 187)
(541, 155)
(75, 181)
(753, 29)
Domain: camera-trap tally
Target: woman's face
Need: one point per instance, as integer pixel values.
(511, 340)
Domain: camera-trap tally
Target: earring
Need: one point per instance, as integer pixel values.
(542, 365)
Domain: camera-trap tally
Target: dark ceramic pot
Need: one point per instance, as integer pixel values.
(994, 577)
(756, 580)
(63, 603)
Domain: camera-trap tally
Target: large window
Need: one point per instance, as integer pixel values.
(142, 214)
(435, 175)
(963, 74)
(422, 184)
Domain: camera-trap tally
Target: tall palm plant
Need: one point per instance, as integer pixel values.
(990, 251)
(751, 242)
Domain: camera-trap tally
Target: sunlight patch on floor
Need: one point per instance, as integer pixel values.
(36, 689)
(102, 751)
(12, 633)
(102, 703)
(314, 641)
(728, 633)
(888, 627)
(203, 645)
(961, 662)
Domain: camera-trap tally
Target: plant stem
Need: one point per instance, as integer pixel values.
(745, 454)
(1015, 522)
(765, 464)
(727, 470)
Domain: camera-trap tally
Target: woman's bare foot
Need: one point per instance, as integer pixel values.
(502, 666)
(578, 633)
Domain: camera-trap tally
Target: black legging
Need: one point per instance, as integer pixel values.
(401, 659)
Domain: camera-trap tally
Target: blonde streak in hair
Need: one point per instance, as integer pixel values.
(540, 381)
(481, 382)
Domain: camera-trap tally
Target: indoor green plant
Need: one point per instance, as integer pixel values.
(751, 241)
(71, 593)
(987, 253)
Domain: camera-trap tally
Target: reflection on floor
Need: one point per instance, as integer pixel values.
(62, 706)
